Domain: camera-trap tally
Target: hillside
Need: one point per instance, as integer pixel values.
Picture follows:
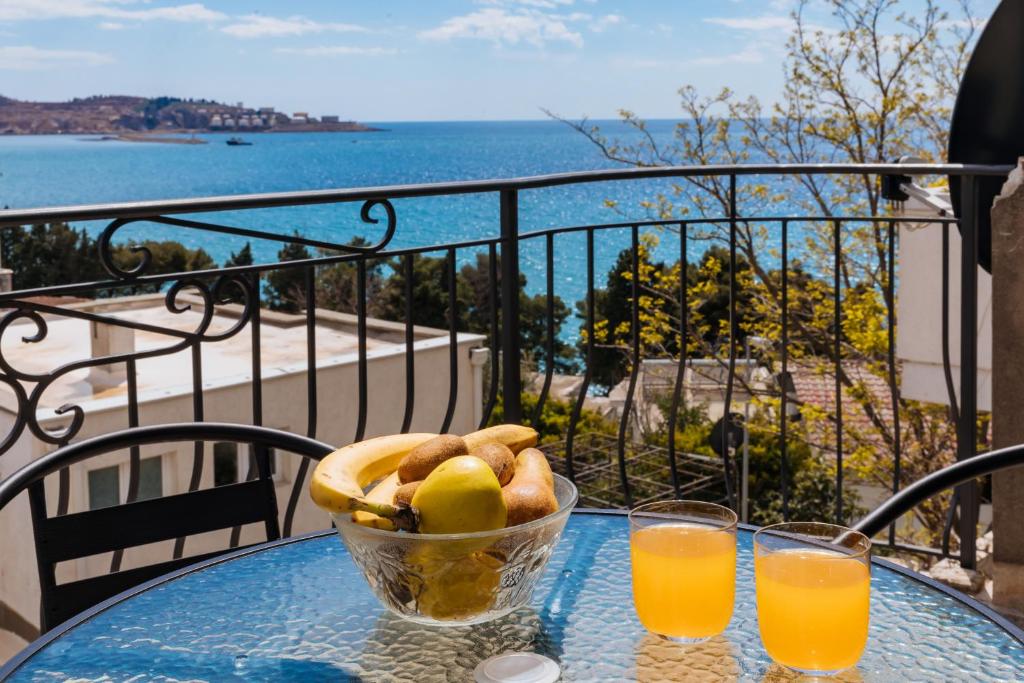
(118, 114)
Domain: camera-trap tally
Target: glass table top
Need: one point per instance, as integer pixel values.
(302, 611)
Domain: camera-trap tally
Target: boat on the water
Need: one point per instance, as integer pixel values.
(238, 142)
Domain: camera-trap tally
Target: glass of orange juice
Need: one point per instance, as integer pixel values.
(684, 568)
(813, 595)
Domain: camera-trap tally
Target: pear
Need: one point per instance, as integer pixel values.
(461, 495)
(531, 493)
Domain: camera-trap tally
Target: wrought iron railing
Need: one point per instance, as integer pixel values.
(243, 285)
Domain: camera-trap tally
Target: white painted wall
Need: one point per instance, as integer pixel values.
(919, 308)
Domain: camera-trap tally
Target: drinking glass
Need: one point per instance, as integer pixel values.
(684, 568)
(813, 595)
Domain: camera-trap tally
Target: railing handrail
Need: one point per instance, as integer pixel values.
(141, 209)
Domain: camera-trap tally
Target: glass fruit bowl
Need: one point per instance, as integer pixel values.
(457, 579)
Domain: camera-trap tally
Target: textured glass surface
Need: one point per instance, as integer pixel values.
(304, 612)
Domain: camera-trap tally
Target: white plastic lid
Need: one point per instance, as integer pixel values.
(517, 667)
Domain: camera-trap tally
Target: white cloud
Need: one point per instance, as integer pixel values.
(762, 23)
(111, 26)
(337, 50)
(259, 26)
(28, 58)
(746, 56)
(606, 22)
(24, 10)
(502, 27)
(540, 4)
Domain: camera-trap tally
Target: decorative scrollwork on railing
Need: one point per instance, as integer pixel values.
(28, 401)
(106, 243)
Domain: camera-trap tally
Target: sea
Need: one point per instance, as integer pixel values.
(38, 171)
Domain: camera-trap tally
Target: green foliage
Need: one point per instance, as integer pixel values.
(286, 287)
(430, 300)
(553, 424)
(810, 480)
(166, 257)
(243, 257)
(56, 254)
(337, 284)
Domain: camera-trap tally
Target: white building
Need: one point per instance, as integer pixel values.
(919, 306)
(165, 396)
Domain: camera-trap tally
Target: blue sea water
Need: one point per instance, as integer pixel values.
(63, 170)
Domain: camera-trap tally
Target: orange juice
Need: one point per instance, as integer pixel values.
(812, 607)
(684, 579)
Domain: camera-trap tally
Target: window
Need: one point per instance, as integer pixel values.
(104, 487)
(151, 478)
(225, 463)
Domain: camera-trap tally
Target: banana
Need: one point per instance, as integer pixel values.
(516, 437)
(383, 492)
(338, 480)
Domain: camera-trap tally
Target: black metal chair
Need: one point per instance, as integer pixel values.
(936, 482)
(81, 534)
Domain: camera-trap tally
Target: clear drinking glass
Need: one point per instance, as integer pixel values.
(684, 568)
(813, 595)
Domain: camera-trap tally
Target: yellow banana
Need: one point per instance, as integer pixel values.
(339, 479)
(383, 492)
(516, 437)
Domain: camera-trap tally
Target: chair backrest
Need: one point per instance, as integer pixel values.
(71, 536)
(936, 482)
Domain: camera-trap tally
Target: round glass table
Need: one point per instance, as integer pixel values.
(299, 609)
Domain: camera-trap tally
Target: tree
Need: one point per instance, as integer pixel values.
(875, 86)
(56, 254)
(286, 287)
(337, 284)
(243, 257)
(430, 303)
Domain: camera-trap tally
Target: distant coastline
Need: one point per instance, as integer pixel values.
(139, 119)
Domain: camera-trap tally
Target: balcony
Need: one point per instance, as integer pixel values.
(814, 386)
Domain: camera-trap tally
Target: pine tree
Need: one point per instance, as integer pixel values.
(286, 287)
(243, 257)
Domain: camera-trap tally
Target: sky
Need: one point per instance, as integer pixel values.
(401, 60)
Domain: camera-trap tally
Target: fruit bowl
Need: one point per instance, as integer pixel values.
(457, 579)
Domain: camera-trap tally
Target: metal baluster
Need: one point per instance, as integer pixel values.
(197, 447)
(733, 328)
(893, 388)
(410, 340)
(312, 411)
(785, 384)
(570, 469)
(453, 348)
(361, 332)
(511, 381)
(63, 487)
(492, 288)
(634, 360)
(257, 388)
(134, 457)
(549, 341)
(947, 366)
(837, 351)
(677, 388)
(966, 432)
